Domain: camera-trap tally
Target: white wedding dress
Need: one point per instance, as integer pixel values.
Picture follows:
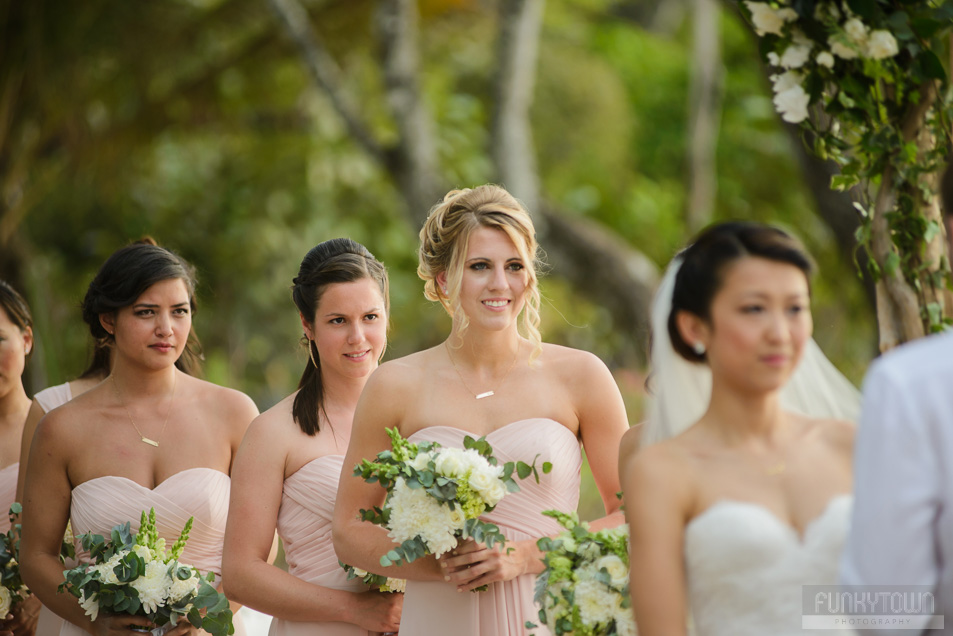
(746, 567)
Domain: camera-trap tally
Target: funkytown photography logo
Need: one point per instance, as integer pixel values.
(869, 607)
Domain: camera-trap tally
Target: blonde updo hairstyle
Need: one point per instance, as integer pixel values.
(443, 248)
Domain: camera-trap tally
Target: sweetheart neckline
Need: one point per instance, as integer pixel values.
(497, 430)
(6, 468)
(308, 463)
(157, 486)
(800, 536)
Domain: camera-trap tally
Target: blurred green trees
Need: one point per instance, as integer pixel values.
(195, 121)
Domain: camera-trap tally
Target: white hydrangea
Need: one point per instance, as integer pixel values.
(767, 19)
(595, 602)
(153, 588)
(6, 599)
(824, 58)
(618, 573)
(414, 512)
(624, 620)
(90, 605)
(881, 45)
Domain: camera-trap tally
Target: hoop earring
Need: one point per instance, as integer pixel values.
(311, 353)
(383, 351)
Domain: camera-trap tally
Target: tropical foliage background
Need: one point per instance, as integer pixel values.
(204, 124)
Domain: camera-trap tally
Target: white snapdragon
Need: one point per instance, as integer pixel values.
(767, 19)
(144, 553)
(881, 44)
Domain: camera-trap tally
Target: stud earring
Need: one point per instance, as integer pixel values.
(699, 348)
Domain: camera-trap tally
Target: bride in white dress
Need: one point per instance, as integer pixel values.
(746, 496)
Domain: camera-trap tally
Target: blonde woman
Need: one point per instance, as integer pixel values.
(478, 259)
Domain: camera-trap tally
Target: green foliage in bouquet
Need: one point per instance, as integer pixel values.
(377, 582)
(584, 589)
(436, 494)
(12, 589)
(134, 574)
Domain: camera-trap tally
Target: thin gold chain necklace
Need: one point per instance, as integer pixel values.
(485, 394)
(146, 440)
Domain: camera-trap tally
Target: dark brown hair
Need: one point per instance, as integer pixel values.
(13, 304)
(125, 276)
(704, 262)
(339, 260)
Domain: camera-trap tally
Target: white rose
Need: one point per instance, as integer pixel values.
(856, 31)
(6, 599)
(825, 59)
(496, 492)
(792, 104)
(882, 45)
(796, 55)
(840, 49)
(768, 20)
(421, 461)
(451, 462)
(616, 569)
(456, 518)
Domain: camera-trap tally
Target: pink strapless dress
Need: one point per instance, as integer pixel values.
(99, 504)
(437, 608)
(304, 525)
(8, 493)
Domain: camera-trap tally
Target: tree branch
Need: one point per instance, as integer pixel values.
(413, 162)
(511, 138)
(325, 72)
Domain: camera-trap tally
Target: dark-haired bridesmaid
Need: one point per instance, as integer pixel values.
(149, 436)
(287, 469)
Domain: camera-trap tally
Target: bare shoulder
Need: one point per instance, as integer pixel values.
(838, 434)
(559, 355)
(276, 421)
(630, 444)
(574, 367)
(228, 405)
(666, 465)
(397, 377)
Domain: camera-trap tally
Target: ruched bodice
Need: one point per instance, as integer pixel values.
(746, 567)
(8, 493)
(504, 608)
(101, 503)
(304, 525)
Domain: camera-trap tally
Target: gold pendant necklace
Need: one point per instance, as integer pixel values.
(485, 394)
(143, 438)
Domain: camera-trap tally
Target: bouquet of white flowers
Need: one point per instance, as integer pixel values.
(584, 589)
(377, 582)
(435, 495)
(12, 589)
(133, 574)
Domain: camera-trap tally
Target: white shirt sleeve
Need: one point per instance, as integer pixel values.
(896, 487)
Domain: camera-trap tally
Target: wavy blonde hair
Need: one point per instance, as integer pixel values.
(443, 248)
